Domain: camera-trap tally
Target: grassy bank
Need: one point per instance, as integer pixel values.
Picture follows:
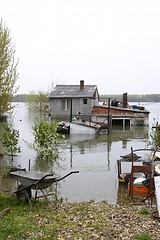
(86, 220)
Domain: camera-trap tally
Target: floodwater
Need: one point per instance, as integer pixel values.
(95, 157)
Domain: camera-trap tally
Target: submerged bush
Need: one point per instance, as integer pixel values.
(10, 140)
(155, 135)
(46, 139)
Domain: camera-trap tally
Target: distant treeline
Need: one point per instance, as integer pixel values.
(131, 98)
(20, 98)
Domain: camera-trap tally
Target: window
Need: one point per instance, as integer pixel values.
(84, 101)
(65, 104)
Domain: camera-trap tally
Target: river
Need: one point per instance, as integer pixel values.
(95, 157)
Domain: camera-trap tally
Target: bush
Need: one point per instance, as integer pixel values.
(46, 139)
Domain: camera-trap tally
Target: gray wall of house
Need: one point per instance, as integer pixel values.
(77, 106)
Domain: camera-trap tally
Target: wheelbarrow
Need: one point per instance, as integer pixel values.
(34, 180)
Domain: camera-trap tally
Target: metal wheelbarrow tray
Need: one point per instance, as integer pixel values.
(35, 180)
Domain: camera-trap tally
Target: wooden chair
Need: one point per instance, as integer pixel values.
(146, 169)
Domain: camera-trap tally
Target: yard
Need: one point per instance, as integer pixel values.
(84, 220)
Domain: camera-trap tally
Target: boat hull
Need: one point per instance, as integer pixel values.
(82, 129)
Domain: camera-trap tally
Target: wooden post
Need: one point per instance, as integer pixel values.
(29, 165)
(109, 122)
(131, 179)
(119, 168)
(71, 111)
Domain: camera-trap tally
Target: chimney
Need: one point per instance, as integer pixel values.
(125, 100)
(81, 84)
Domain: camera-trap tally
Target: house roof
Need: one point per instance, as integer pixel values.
(73, 91)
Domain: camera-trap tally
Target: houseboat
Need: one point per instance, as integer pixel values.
(68, 101)
(121, 114)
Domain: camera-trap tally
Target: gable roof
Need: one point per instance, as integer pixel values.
(74, 91)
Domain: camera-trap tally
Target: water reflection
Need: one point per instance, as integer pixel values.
(41, 165)
(95, 156)
(122, 195)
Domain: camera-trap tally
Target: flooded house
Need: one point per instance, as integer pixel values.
(68, 102)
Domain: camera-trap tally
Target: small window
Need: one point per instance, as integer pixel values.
(65, 104)
(84, 101)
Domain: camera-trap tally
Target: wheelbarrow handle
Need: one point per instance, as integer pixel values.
(47, 175)
(59, 179)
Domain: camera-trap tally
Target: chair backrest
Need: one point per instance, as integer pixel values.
(142, 169)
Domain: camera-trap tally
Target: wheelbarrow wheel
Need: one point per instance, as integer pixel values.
(24, 194)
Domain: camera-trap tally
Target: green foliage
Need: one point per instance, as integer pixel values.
(144, 211)
(8, 70)
(6, 167)
(20, 223)
(46, 139)
(143, 236)
(10, 140)
(155, 135)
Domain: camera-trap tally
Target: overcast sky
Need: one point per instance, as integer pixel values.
(114, 44)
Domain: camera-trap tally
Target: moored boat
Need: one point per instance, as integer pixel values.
(84, 127)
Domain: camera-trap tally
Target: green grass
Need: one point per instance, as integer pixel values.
(144, 211)
(143, 236)
(22, 223)
(64, 220)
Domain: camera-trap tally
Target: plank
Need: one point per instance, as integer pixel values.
(157, 192)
